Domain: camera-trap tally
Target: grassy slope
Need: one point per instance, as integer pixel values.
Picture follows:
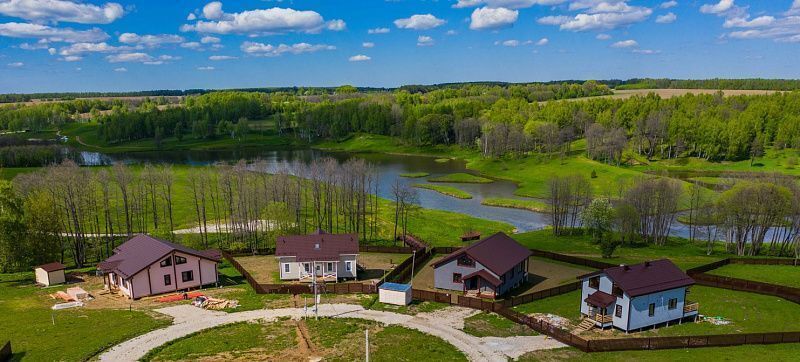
(774, 274)
(446, 190)
(27, 322)
(461, 177)
(531, 205)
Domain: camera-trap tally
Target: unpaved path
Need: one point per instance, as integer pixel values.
(443, 324)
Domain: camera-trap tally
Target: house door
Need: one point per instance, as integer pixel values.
(472, 284)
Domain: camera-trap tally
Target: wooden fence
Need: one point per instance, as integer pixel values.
(788, 293)
(527, 298)
(403, 271)
(572, 259)
(5, 352)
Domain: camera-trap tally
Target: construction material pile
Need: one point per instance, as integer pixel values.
(214, 303)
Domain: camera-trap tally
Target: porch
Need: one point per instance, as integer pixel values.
(600, 308)
(481, 284)
(319, 271)
(690, 308)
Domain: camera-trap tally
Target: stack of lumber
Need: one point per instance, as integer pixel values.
(215, 303)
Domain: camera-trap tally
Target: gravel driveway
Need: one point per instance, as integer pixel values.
(443, 324)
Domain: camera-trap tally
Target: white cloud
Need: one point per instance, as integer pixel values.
(38, 31)
(378, 31)
(625, 44)
(758, 22)
(222, 57)
(130, 58)
(79, 49)
(668, 4)
(15, 64)
(209, 40)
(603, 36)
(368, 44)
(191, 45)
(510, 4)
(260, 21)
(598, 15)
(268, 50)
(359, 58)
(39, 45)
(666, 18)
(419, 22)
(336, 25)
(191, 17)
(543, 42)
(151, 41)
(72, 58)
(645, 51)
(451, 32)
(718, 8)
(510, 43)
(205, 68)
(795, 9)
(425, 41)
(121, 69)
(492, 18)
(783, 28)
(61, 11)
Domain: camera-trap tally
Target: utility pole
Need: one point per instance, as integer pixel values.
(413, 260)
(366, 337)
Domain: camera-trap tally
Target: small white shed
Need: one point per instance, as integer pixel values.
(394, 293)
(50, 274)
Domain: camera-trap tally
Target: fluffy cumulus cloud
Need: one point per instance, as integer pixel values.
(121, 70)
(603, 36)
(509, 43)
(425, 41)
(378, 31)
(15, 64)
(137, 57)
(419, 22)
(543, 42)
(261, 21)
(48, 33)
(209, 40)
(598, 15)
(207, 68)
(76, 51)
(368, 44)
(268, 50)
(667, 18)
(668, 4)
(222, 57)
(150, 40)
(359, 58)
(191, 45)
(625, 44)
(61, 11)
(510, 4)
(781, 27)
(492, 18)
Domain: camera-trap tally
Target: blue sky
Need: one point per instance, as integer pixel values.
(74, 45)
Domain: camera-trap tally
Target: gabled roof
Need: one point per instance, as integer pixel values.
(485, 275)
(51, 267)
(600, 299)
(498, 253)
(646, 278)
(141, 251)
(318, 246)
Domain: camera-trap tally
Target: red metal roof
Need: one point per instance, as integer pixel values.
(141, 251)
(485, 275)
(498, 253)
(646, 278)
(319, 246)
(51, 267)
(600, 299)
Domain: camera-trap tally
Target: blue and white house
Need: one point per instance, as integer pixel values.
(634, 297)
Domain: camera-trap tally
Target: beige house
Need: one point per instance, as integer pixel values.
(50, 274)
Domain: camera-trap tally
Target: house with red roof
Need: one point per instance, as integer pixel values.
(490, 267)
(144, 266)
(328, 257)
(633, 297)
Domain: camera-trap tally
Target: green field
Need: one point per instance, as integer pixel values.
(787, 275)
(530, 205)
(486, 324)
(415, 174)
(776, 352)
(461, 178)
(445, 190)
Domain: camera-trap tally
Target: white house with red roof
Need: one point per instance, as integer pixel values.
(633, 297)
(490, 267)
(329, 257)
(144, 266)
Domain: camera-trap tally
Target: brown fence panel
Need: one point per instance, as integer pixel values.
(789, 293)
(619, 344)
(385, 249)
(722, 340)
(708, 267)
(764, 261)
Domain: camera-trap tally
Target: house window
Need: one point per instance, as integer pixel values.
(456, 277)
(673, 303)
(166, 262)
(286, 268)
(594, 282)
(615, 290)
(330, 267)
(179, 260)
(465, 260)
(167, 279)
(307, 267)
(348, 265)
(651, 310)
(187, 276)
(618, 311)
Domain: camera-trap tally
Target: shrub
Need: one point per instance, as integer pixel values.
(608, 245)
(594, 174)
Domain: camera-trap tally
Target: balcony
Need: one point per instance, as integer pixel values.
(690, 307)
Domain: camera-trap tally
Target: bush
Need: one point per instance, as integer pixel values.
(608, 245)
(791, 162)
(594, 174)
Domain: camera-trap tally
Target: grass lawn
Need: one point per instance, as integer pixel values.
(530, 205)
(343, 340)
(78, 334)
(264, 268)
(461, 177)
(747, 312)
(682, 252)
(446, 190)
(486, 324)
(423, 275)
(415, 174)
(414, 308)
(787, 275)
(775, 352)
(233, 341)
(546, 273)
